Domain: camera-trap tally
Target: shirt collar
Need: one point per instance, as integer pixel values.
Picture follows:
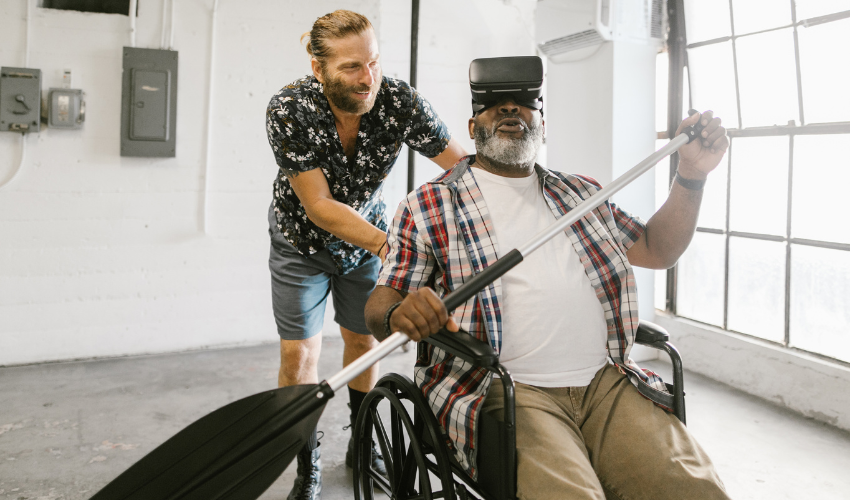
(463, 166)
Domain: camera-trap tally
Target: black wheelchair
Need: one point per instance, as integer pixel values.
(415, 448)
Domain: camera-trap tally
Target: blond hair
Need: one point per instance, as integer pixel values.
(337, 24)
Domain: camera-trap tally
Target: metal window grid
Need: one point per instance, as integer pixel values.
(677, 49)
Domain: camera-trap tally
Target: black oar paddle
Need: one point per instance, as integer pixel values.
(239, 450)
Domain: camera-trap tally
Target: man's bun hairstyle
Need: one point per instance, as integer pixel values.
(337, 24)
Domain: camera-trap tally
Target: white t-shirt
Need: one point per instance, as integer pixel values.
(553, 328)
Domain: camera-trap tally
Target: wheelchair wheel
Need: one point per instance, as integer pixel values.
(415, 468)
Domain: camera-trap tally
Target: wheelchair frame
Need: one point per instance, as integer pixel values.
(414, 449)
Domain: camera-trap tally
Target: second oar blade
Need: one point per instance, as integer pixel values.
(235, 451)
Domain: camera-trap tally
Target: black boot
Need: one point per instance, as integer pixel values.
(377, 459)
(308, 482)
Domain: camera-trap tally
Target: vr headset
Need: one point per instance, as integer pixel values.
(492, 79)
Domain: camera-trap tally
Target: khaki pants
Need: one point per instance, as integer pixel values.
(603, 441)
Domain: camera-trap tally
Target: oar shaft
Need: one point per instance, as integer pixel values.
(363, 363)
(600, 196)
(514, 257)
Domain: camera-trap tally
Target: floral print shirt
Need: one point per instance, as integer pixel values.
(302, 133)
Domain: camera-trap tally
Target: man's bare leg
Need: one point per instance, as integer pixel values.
(355, 346)
(299, 361)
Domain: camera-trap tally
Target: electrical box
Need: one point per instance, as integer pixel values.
(149, 103)
(65, 108)
(20, 99)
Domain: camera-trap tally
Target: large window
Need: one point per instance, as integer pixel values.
(771, 257)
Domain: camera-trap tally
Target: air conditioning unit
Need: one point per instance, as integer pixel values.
(568, 30)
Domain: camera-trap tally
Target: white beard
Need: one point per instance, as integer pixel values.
(507, 151)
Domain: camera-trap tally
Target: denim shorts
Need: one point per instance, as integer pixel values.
(300, 288)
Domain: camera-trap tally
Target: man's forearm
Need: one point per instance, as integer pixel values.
(346, 224)
(669, 232)
(376, 307)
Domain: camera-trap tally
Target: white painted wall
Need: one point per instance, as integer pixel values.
(105, 256)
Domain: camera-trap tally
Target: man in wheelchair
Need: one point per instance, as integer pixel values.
(563, 321)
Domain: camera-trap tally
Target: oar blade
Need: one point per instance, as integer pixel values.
(212, 444)
(253, 474)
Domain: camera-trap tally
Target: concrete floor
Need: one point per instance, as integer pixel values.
(67, 429)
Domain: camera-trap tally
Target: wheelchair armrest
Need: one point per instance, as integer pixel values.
(649, 333)
(464, 346)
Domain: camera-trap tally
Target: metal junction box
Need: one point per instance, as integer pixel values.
(65, 108)
(20, 99)
(149, 103)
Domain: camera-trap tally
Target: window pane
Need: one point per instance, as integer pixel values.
(808, 9)
(707, 20)
(820, 301)
(700, 279)
(662, 176)
(712, 78)
(757, 288)
(757, 15)
(825, 77)
(759, 187)
(821, 177)
(660, 298)
(712, 212)
(768, 79)
(662, 69)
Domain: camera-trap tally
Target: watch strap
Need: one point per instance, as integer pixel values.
(387, 330)
(692, 184)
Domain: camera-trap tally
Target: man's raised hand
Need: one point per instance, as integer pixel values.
(420, 314)
(700, 157)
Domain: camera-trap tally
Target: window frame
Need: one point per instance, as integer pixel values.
(677, 47)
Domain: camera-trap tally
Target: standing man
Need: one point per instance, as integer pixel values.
(335, 136)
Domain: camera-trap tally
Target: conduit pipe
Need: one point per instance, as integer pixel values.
(26, 64)
(162, 25)
(132, 13)
(27, 43)
(171, 28)
(205, 195)
(20, 163)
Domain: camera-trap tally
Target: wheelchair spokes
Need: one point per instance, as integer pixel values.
(386, 417)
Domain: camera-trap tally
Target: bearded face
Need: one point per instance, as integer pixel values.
(506, 150)
(347, 97)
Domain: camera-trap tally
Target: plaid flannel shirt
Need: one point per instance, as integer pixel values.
(441, 236)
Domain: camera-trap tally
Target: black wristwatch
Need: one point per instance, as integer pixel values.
(387, 315)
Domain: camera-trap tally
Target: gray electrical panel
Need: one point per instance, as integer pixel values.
(66, 108)
(149, 103)
(20, 99)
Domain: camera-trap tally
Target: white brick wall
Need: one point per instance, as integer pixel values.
(105, 256)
